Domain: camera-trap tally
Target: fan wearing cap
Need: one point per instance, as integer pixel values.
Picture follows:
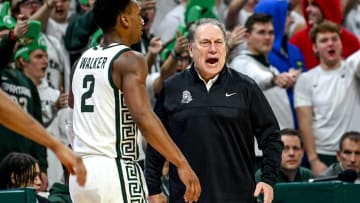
(20, 84)
(32, 59)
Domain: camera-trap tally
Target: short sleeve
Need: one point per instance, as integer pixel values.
(302, 91)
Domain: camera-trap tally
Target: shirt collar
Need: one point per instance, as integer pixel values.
(211, 81)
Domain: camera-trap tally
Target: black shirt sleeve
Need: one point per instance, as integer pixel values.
(267, 134)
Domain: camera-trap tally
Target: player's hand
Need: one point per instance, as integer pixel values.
(72, 162)
(191, 182)
(158, 198)
(266, 190)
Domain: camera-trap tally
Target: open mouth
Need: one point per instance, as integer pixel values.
(332, 52)
(212, 60)
(59, 11)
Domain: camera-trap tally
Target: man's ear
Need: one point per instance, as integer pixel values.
(246, 36)
(190, 50)
(22, 61)
(315, 50)
(12, 178)
(338, 156)
(123, 20)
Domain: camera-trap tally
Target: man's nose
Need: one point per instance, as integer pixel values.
(352, 157)
(212, 47)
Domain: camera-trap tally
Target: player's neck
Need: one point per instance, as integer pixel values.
(109, 39)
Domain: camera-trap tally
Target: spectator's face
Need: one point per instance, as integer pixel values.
(292, 153)
(34, 179)
(148, 11)
(183, 62)
(208, 50)
(314, 14)
(35, 68)
(328, 47)
(60, 12)
(260, 39)
(29, 7)
(349, 156)
(37, 179)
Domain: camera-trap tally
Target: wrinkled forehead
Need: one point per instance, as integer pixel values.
(209, 31)
(347, 143)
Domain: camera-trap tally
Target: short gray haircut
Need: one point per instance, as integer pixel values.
(203, 21)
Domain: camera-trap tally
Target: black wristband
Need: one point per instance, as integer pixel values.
(175, 55)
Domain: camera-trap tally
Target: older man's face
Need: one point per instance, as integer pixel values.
(208, 50)
(349, 155)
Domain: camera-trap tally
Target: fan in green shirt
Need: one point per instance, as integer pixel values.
(292, 154)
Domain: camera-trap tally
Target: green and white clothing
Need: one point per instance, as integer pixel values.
(105, 134)
(302, 175)
(23, 91)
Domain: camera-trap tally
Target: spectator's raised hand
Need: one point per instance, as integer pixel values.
(62, 100)
(155, 45)
(50, 3)
(236, 37)
(22, 26)
(181, 44)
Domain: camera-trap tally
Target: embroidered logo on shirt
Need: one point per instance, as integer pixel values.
(186, 97)
(229, 94)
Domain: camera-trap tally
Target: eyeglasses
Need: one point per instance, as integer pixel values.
(29, 3)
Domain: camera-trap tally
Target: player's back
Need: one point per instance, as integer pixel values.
(101, 121)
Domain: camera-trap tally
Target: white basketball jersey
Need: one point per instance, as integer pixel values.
(101, 121)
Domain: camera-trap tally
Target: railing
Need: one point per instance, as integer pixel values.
(319, 192)
(18, 195)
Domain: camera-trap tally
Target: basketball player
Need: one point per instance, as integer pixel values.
(110, 102)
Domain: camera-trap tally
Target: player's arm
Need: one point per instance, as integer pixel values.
(14, 118)
(129, 74)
